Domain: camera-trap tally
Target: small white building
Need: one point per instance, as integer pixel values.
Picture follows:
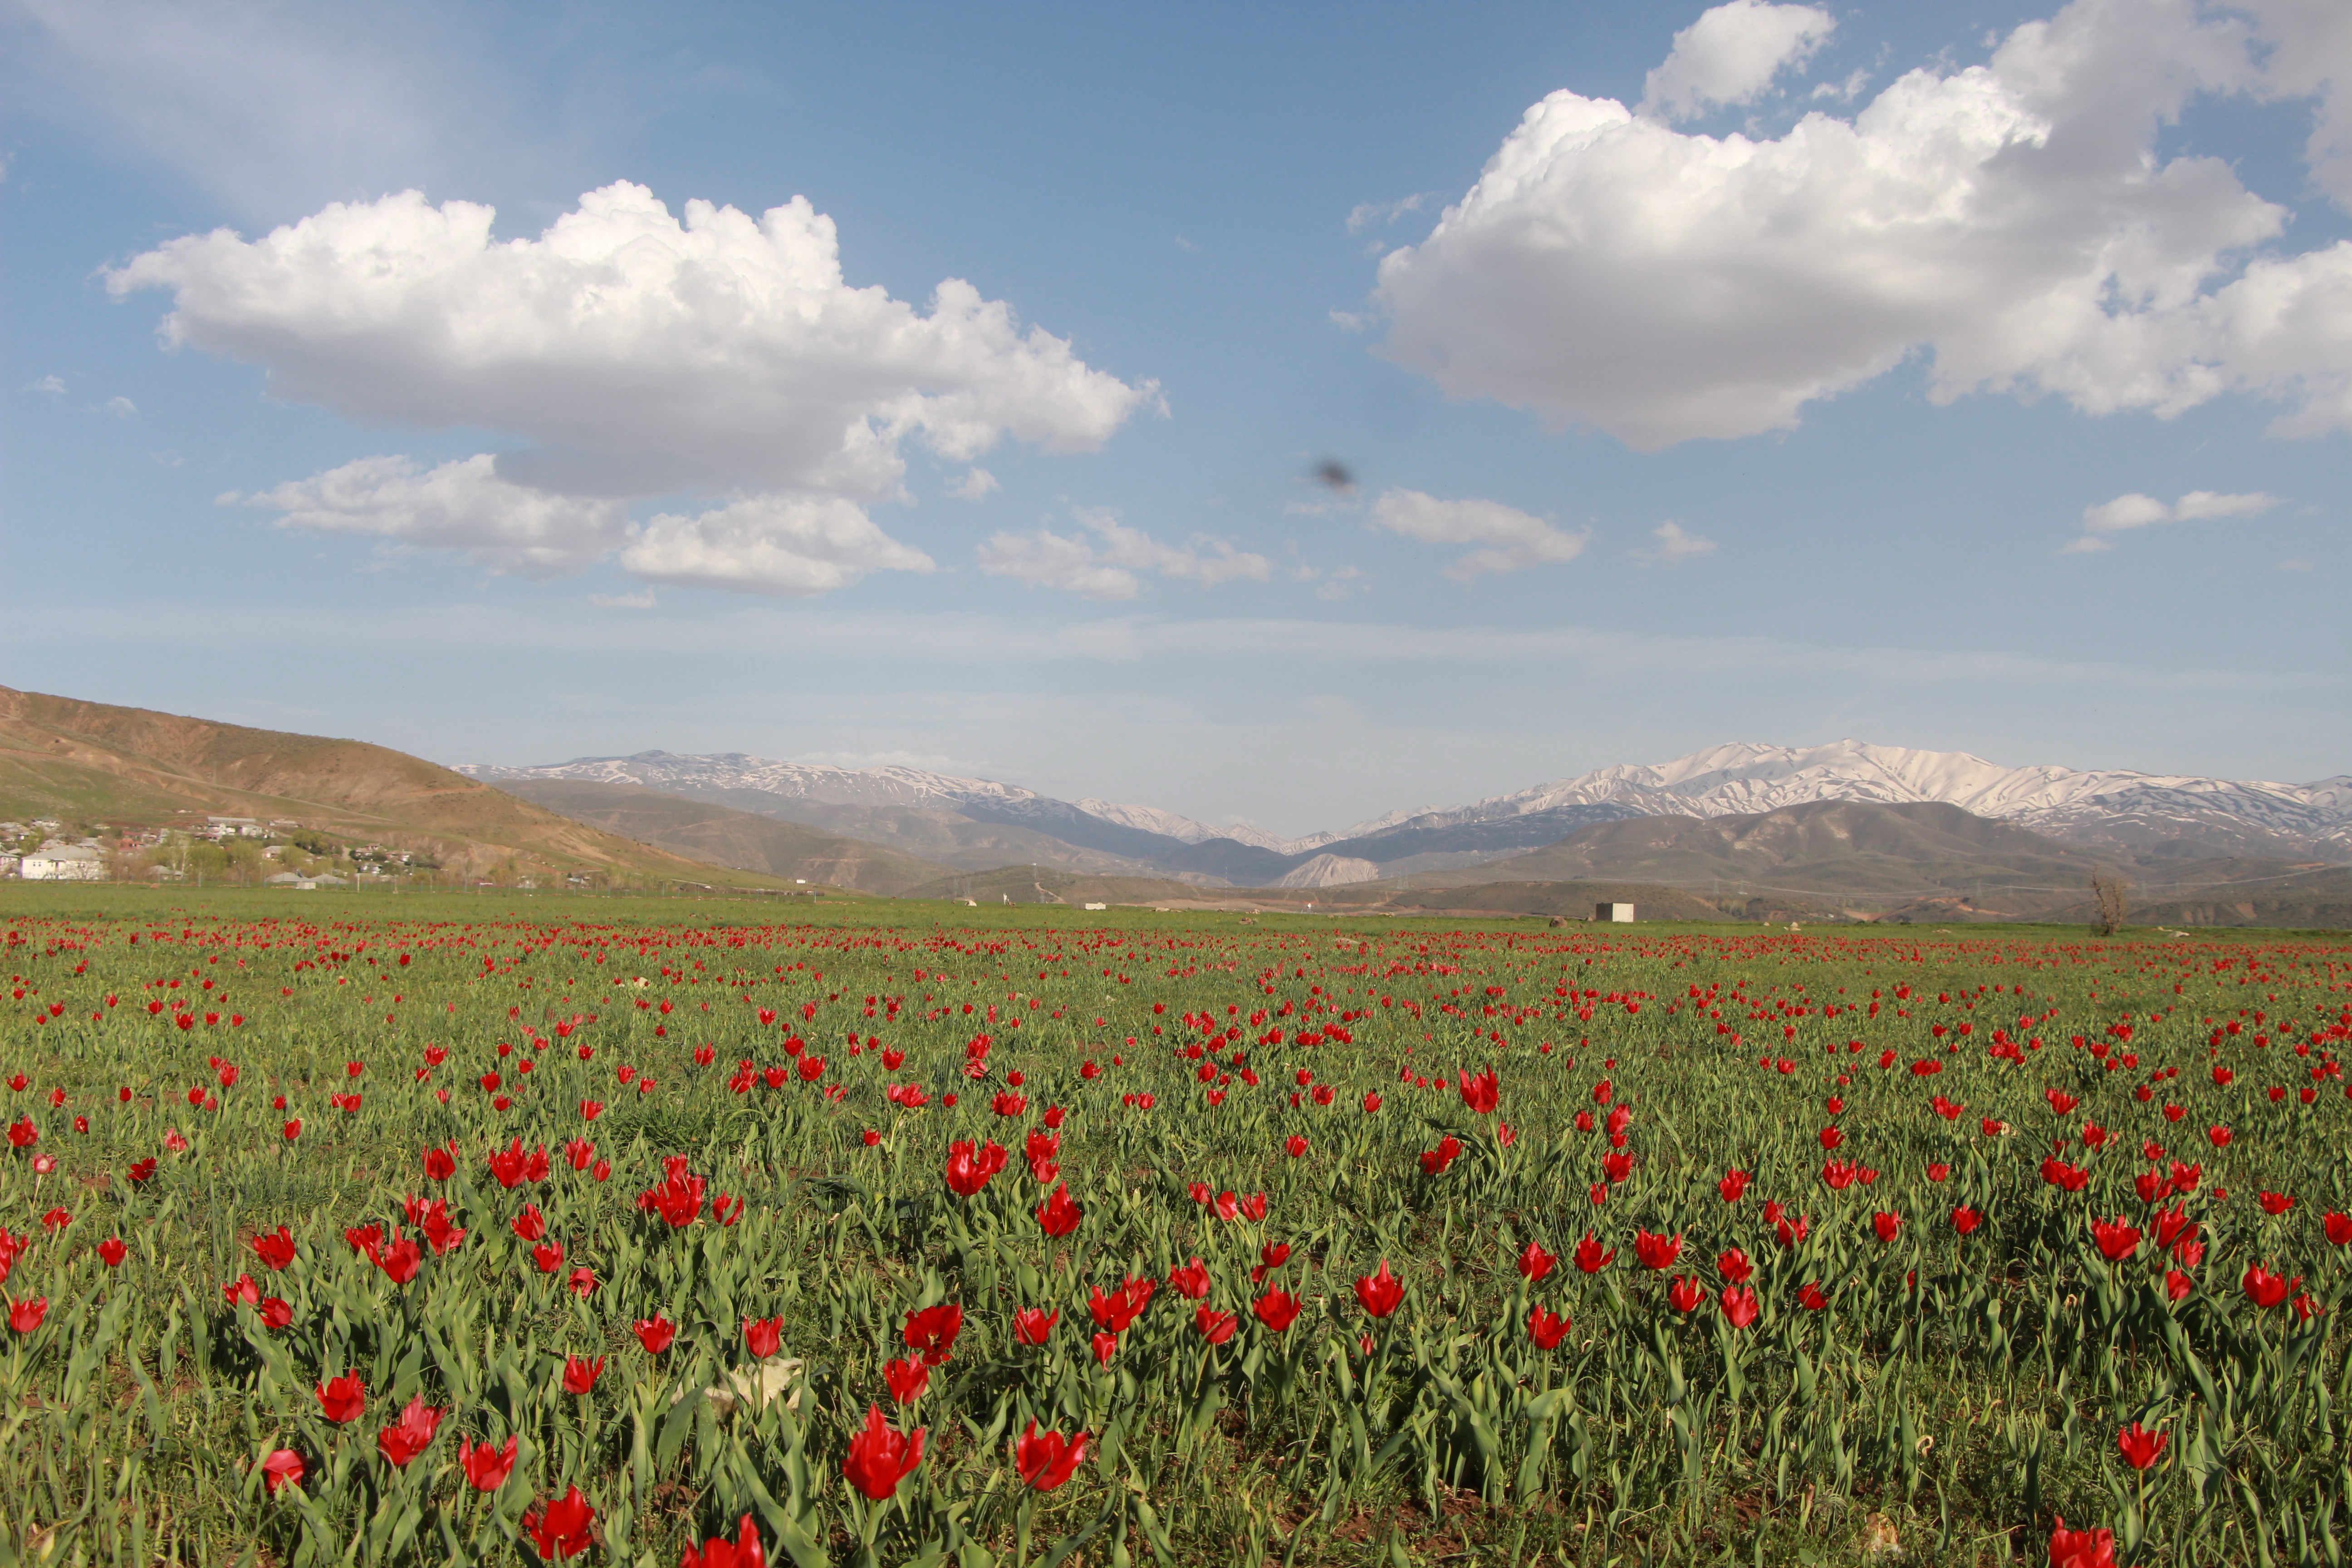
(1618, 914)
(63, 863)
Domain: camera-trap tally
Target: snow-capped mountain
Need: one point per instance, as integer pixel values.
(1152, 819)
(1078, 822)
(2133, 812)
(2106, 806)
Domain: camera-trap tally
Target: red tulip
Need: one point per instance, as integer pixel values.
(931, 1332)
(763, 1337)
(743, 1552)
(1535, 1262)
(487, 1468)
(1031, 1325)
(1277, 1309)
(341, 1399)
(1059, 1214)
(1811, 1299)
(2339, 1228)
(2275, 1203)
(2266, 1290)
(1546, 1329)
(2140, 1447)
(1734, 1183)
(1480, 1093)
(560, 1527)
(1966, 1219)
(880, 1458)
(1686, 1293)
(281, 1467)
(1739, 1305)
(113, 1251)
(580, 1373)
(1214, 1326)
(1046, 1459)
(400, 1261)
(2116, 1240)
(969, 1169)
(1657, 1252)
(407, 1437)
(2081, 1548)
(907, 1379)
(1191, 1280)
(2178, 1285)
(277, 1250)
(1589, 1257)
(1380, 1292)
(656, 1333)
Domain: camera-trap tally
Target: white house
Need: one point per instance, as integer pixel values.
(63, 863)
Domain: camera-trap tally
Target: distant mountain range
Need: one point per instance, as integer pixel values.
(975, 824)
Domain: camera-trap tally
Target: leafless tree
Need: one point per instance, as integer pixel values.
(2107, 892)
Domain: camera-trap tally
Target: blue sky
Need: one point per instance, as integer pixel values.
(1971, 377)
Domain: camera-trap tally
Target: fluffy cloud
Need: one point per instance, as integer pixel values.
(641, 355)
(2126, 512)
(2013, 221)
(2310, 56)
(1107, 566)
(463, 505)
(1730, 55)
(793, 545)
(1510, 539)
(1676, 545)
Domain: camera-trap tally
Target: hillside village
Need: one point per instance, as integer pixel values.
(219, 850)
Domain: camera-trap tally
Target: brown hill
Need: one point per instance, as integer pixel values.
(94, 762)
(724, 836)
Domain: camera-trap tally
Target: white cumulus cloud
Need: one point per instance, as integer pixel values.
(1730, 55)
(462, 505)
(2014, 223)
(1108, 566)
(793, 545)
(2126, 512)
(974, 485)
(1509, 539)
(641, 355)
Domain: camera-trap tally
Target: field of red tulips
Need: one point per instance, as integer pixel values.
(423, 1231)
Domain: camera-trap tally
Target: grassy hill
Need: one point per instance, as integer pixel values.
(93, 763)
(1824, 851)
(722, 836)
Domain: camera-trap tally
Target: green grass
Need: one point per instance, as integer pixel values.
(1959, 1391)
